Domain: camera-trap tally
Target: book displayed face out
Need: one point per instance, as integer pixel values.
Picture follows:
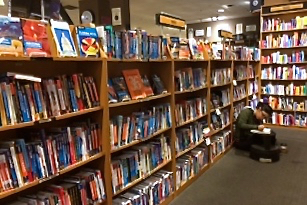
(63, 39)
(10, 36)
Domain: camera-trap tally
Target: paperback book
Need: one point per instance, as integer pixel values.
(87, 41)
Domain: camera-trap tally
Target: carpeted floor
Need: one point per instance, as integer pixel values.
(238, 180)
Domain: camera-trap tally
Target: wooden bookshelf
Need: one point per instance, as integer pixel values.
(102, 70)
(284, 12)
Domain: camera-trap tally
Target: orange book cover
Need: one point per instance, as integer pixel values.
(134, 83)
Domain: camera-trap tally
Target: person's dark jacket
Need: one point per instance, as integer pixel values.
(246, 122)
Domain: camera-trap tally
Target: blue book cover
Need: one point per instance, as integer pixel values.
(88, 41)
(63, 39)
(11, 36)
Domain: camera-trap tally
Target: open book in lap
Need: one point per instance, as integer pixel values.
(266, 131)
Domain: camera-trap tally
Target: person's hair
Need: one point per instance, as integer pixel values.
(265, 107)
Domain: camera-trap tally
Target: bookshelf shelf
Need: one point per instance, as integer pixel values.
(142, 178)
(285, 12)
(74, 114)
(286, 126)
(217, 158)
(285, 110)
(285, 31)
(282, 48)
(214, 132)
(17, 126)
(79, 164)
(190, 91)
(285, 95)
(221, 85)
(280, 64)
(135, 142)
(284, 79)
(61, 172)
(238, 100)
(190, 148)
(191, 121)
(220, 108)
(112, 105)
(13, 58)
(100, 69)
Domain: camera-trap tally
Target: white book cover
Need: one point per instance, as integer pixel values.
(63, 38)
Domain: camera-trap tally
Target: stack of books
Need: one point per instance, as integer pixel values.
(219, 144)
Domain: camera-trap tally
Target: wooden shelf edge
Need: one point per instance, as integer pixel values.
(215, 86)
(73, 114)
(17, 126)
(78, 58)
(190, 148)
(285, 110)
(190, 121)
(281, 48)
(112, 105)
(190, 91)
(131, 184)
(285, 12)
(35, 183)
(240, 99)
(220, 108)
(220, 156)
(135, 142)
(284, 79)
(290, 30)
(219, 130)
(168, 199)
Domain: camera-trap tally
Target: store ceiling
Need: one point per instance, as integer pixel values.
(193, 11)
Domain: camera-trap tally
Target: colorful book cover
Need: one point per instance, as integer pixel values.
(11, 36)
(63, 39)
(147, 87)
(88, 41)
(120, 87)
(35, 38)
(111, 92)
(134, 83)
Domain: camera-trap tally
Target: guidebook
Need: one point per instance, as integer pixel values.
(87, 41)
(63, 39)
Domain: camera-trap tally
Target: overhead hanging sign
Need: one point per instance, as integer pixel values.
(225, 34)
(170, 21)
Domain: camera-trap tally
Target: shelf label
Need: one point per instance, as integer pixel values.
(218, 112)
(234, 82)
(208, 141)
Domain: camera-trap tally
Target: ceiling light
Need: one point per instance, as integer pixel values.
(221, 18)
(214, 18)
(225, 6)
(246, 2)
(221, 10)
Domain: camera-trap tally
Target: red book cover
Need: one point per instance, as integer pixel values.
(134, 83)
(35, 38)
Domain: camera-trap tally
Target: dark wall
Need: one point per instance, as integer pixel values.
(254, 20)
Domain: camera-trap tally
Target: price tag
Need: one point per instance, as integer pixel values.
(208, 141)
(218, 112)
(234, 82)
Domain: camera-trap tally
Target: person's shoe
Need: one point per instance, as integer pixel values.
(283, 148)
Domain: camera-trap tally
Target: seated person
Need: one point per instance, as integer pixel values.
(248, 120)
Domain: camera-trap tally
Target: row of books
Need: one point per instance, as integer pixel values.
(277, 24)
(239, 92)
(190, 135)
(46, 152)
(220, 142)
(220, 98)
(220, 76)
(191, 164)
(84, 187)
(289, 119)
(152, 191)
(285, 41)
(25, 98)
(286, 103)
(139, 161)
(220, 119)
(284, 73)
(290, 89)
(189, 79)
(278, 58)
(253, 87)
(187, 110)
(242, 72)
(140, 125)
(245, 53)
(237, 108)
(134, 86)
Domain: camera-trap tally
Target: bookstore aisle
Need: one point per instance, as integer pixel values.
(238, 180)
